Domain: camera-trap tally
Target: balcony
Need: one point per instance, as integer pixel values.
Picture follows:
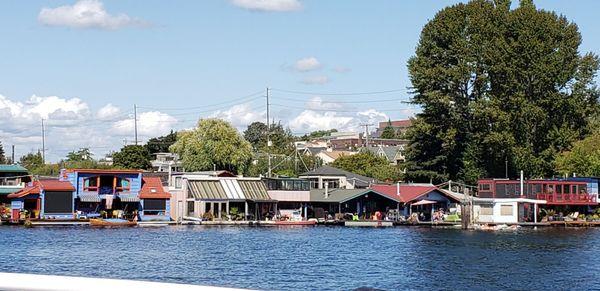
(569, 199)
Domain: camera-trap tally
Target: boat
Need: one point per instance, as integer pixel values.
(299, 222)
(111, 222)
(369, 223)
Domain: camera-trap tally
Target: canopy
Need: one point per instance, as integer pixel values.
(424, 202)
(129, 198)
(89, 198)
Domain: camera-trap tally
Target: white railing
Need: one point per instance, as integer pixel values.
(29, 282)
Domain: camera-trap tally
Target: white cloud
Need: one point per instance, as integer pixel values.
(150, 124)
(341, 69)
(307, 64)
(310, 120)
(240, 115)
(269, 5)
(70, 125)
(108, 112)
(86, 14)
(317, 103)
(316, 80)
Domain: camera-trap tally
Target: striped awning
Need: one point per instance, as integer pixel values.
(254, 190)
(129, 198)
(206, 190)
(89, 198)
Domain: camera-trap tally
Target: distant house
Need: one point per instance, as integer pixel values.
(329, 156)
(334, 178)
(394, 154)
(166, 162)
(399, 126)
(12, 179)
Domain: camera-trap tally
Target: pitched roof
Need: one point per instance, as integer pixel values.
(407, 192)
(46, 185)
(12, 169)
(359, 180)
(343, 195)
(336, 154)
(152, 188)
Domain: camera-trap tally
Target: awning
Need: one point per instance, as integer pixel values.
(206, 190)
(89, 198)
(255, 190)
(424, 202)
(129, 198)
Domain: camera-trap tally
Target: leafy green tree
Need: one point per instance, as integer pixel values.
(82, 154)
(282, 139)
(318, 134)
(388, 131)
(370, 165)
(213, 143)
(583, 159)
(494, 86)
(161, 144)
(283, 165)
(3, 159)
(132, 157)
(32, 160)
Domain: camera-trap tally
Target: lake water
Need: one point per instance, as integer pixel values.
(313, 258)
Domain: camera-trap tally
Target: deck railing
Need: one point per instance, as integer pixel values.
(568, 198)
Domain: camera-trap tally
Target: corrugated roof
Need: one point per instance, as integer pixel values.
(254, 190)
(12, 169)
(407, 192)
(232, 189)
(47, 185)
(206, 190)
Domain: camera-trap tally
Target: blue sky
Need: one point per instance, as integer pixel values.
(176, 60)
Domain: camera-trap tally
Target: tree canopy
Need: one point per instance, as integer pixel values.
(132, 157)
(497, 84)
(213, 143)
(318, 133)
(80, 155)
(370, 165)
(583, 159)
(3, 159)
(161, 144)
(282, 139)
(388, 131)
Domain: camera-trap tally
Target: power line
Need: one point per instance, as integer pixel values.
(340, 110)
(256, 95)
(341, 102)
(339, 94)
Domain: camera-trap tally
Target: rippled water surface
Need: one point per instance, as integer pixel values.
(313, 258)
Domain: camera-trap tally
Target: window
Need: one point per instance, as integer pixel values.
(506, 210)
(178, 182)
(314, 183)
(190, 208)
(123, 184)
(486, 210)
(155, 204)
(90, 184)
(485, 187)
(559, 189)
(58, 202)
(567, 189)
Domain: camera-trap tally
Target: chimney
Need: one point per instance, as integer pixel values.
(326, 190)
(398, 188)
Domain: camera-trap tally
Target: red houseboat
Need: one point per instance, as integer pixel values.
(555, 192)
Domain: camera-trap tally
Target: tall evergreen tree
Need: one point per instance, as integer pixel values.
(3, 159)
(497, 85)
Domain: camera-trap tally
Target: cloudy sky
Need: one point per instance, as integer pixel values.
(82, 65)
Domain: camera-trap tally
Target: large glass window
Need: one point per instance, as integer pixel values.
(506, 210)
(90, 184)
(123, 184)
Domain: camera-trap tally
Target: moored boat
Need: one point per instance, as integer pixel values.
(111, 222)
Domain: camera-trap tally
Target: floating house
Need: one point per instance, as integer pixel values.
(419, 198)
(43, 199)
(554, 192)
(362, 202)
(90, 193)
(290, 194)
(505, 210)
(225, 198)
(12, 179)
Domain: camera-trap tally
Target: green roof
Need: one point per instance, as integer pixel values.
(5, 190)
(12, 169)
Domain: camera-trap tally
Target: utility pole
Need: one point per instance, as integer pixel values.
(268, 135)
(366, 125)
(506, 167)
(13, 154)
(43, 143)
(135, 123)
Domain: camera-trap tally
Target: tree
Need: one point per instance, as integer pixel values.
(161, 144)
(318, 134)
(282, 139)
(132, 157)
(213, 143)
(3, 159)
(494, 87)
(583, 159)
(32, 160)
(388, 131)
(370, 165)
(81, 155)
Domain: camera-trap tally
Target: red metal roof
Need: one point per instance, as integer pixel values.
(47, 185)
(152, 188)
(407, 192)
